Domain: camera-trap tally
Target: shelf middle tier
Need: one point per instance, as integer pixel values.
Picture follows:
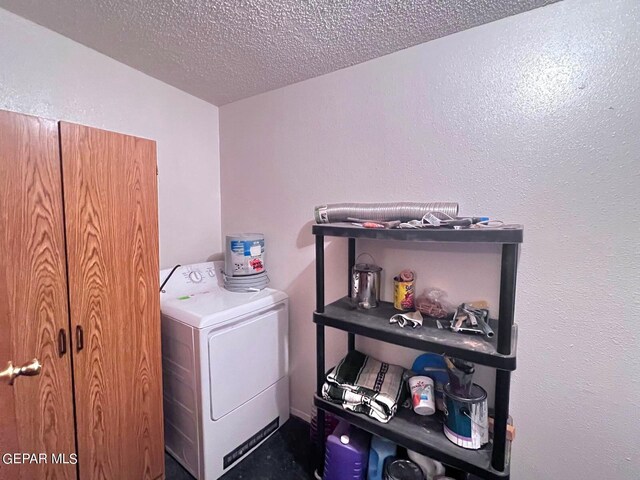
(374, 323)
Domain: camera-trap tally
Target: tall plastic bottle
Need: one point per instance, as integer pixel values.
(381, 449)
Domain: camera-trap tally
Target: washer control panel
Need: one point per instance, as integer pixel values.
(189, 280)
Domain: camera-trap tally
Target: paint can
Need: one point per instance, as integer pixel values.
(404, 291)
(244, 254)
(365, 284)
(466, 418)
(400, 469)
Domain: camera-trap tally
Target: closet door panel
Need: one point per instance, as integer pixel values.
(36, 412)
(110, 199)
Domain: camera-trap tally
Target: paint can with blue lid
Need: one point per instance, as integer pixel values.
(466, 417)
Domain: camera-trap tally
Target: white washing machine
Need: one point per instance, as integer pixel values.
(225, 368)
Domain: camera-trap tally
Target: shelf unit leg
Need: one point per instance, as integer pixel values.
(351, 342)
(503, 385)
(320, 273)
(320, 421)
(320, 367)
(508, 272)
(351, 337)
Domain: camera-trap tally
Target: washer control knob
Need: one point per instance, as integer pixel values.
(195, 276)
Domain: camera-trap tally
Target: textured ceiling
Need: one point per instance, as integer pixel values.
(225, 50)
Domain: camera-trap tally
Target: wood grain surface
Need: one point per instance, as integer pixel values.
(110, 199)
(36, 413)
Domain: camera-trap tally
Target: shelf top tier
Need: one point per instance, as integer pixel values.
(442, 235)
(374, 323)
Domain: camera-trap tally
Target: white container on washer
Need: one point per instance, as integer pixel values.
(244, 254)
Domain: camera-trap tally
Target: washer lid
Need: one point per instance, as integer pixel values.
(218, 305)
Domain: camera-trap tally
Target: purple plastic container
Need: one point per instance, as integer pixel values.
(347, 453)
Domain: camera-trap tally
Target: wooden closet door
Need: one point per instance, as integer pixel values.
(110, 200)
(36, 413)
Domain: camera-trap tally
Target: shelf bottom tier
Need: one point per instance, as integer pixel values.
(422, 435)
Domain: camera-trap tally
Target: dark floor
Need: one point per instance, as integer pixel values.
(283, 456)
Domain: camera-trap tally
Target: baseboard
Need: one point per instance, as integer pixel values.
(300, 414)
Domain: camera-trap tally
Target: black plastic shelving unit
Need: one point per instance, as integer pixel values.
(424, 434)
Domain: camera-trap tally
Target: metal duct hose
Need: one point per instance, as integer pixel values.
(403, 211)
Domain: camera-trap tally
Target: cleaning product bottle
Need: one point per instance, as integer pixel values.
(347, 453)
(381, 449)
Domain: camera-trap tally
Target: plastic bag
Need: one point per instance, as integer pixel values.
(433, 303)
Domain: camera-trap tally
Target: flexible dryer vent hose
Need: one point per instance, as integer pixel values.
(403, 211)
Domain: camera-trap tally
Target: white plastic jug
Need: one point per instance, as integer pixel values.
(431, 469)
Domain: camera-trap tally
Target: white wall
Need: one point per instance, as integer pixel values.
(534, 119)
(45, 74)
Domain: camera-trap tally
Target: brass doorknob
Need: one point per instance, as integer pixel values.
(29, 369)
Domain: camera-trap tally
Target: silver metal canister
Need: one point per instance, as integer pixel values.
(365, 285)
